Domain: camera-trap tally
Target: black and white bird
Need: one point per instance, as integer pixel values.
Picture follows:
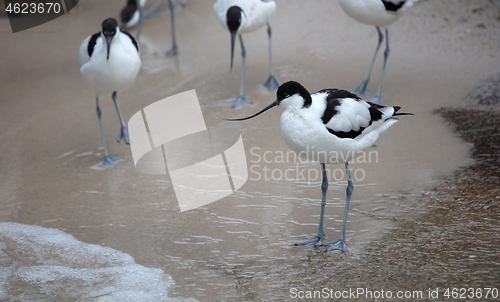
(378, 13)
(243, 16)
(329, 126)
(133, 14)
(109, 63)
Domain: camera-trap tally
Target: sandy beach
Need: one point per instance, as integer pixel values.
(240, 248)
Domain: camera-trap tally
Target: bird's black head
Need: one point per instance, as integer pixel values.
(109, 27)
(233, 18)
(292, 88)
(233, 21)
(290, 95)
(109, 30)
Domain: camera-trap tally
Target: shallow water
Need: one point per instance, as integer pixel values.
(238, 247)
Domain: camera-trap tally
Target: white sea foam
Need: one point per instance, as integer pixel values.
(41, 264)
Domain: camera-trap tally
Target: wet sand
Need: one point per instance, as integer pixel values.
(239, 248)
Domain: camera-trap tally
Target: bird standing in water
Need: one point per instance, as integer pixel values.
(110, 62)
(242, 16)
(378, 13)
(326, 123)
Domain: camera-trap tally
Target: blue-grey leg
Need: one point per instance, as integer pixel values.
(151, 11)
(364, 85)
(123, 131)
(324, 188)
(340, 244)
(141, 17)
(180, 7)
(107, 160)
(172, 50)
(378, 98)
(271, 83)
(241, 99)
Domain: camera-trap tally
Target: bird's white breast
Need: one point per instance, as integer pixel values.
(117, 73)
(310, 139)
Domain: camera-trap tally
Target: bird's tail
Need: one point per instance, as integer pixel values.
(403, 4)
(408, 4)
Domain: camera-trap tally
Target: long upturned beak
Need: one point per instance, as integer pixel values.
(108, 42)
(233, 40)
(275, 103)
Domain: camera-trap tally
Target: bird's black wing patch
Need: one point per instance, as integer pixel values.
(330, 110)
(390, 6)
(333, 99)
(92, 42)
(128, 11)
(133, 39)
(341, 134)
(339, 94)
(375, 115)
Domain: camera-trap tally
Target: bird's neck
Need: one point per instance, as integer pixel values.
(294, 102)
(116, 38)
